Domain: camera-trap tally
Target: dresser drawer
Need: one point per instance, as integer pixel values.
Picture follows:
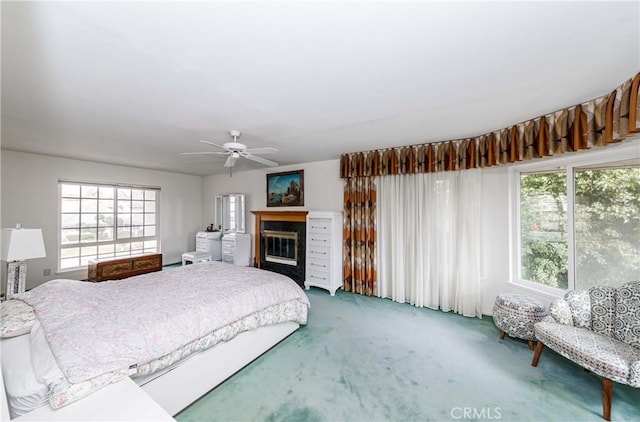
(322, 240)
(319, 264)
(318, 278)
(202, 244)
(116, 269)
(147, 263)
(228, 252)
(320, 226)
(319, 252)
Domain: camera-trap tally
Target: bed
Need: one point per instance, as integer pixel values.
(177, 333)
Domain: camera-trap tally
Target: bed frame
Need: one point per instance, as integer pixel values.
(173, 390)
(186, 383)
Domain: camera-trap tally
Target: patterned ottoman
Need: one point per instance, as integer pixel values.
(516, 314)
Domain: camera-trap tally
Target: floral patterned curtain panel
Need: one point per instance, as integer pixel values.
(592, 124)
(359, 237)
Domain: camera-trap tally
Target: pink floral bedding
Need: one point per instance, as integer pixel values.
(98, 330)
(16, 318)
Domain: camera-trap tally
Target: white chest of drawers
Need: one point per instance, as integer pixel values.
(236, 249)
(324, 250)
(210, 242)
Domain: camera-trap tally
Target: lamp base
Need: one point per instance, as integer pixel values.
(16, 277)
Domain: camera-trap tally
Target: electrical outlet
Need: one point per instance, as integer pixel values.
(46, 272)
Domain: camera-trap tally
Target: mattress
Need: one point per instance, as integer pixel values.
(100, 328)
(24, 391)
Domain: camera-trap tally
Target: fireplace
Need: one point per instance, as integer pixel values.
(280, 243)
(281, 247)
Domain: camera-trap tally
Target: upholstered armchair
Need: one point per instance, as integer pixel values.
(599, 330)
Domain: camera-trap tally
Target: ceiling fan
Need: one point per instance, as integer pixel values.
(235, 150)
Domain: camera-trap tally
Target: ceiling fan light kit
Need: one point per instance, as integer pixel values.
(236, 150)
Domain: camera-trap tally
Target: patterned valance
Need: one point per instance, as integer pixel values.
(595, 123)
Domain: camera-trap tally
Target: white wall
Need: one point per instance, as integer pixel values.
(495, 236)
(323, 189)
(29, 194)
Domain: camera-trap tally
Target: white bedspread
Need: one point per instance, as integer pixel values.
(95, 328)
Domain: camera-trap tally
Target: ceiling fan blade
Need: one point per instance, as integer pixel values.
(231, 161)
(260, 160)
(205, 153)
(211, 143)
(266, 150)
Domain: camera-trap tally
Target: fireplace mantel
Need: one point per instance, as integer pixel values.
(261, 216)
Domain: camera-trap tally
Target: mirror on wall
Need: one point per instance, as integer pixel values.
(229, 212)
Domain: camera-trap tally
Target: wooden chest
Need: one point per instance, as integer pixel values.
(115, 269)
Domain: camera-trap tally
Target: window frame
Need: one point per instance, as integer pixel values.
(115, 239)
(569, 162)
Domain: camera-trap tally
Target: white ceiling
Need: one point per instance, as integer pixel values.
(136, 83)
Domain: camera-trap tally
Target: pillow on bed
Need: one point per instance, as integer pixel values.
(16, 318)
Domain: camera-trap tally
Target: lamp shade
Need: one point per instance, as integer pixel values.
(22, 244)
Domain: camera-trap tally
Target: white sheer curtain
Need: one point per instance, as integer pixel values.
(429, 240)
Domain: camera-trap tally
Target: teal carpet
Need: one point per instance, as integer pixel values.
(369, 359)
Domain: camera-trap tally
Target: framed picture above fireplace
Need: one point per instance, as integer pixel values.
(285, 189)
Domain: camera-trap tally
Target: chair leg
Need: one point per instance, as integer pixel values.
(536, 355)
(530, 345)
(607, 394)
(501, 334)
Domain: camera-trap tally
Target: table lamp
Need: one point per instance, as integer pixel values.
(19, 245)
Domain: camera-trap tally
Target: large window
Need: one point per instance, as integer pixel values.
(543, 228)
(106, 221)
(578, 224)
